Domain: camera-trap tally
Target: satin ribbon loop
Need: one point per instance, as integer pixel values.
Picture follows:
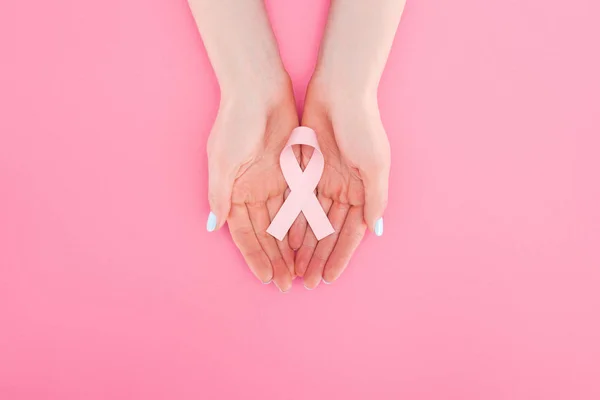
(302, 186)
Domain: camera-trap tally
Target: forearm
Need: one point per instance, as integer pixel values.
(357, 42)
(240, 43)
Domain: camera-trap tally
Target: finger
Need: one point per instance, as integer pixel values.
(376, 181)
(220, 185)
(245, 239)
(259, 217)
(376, 198)
(307, 152)
(314, 272)
(309, 242)
(349, 238)
(273, 205)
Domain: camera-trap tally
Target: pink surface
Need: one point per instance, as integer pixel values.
(485, 284)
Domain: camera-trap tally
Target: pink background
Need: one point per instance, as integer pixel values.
(485, 284)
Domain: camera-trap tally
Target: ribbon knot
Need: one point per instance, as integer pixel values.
(302, 185)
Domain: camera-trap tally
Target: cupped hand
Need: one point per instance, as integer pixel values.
(353, 190)
(246, 186)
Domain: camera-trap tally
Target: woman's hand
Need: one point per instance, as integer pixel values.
(256, 116)
(258, 113)
(341, 106)
(354, 187)
(246, 186)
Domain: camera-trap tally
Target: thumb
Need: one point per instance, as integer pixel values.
(220, 185)
(376, 196)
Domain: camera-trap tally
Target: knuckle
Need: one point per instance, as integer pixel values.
(263, 236)
(253, 253)
(321, 257)
(213, 200)
(354, 235)
(377, 164)
(242, 231)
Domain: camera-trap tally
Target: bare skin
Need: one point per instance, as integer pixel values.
(257, 114)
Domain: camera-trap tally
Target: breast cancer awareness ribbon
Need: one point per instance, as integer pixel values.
(302, 185)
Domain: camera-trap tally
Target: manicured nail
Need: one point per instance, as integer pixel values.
(211, 223)
(307, 288)
(325, 282)
(280, 289)
(379, 227)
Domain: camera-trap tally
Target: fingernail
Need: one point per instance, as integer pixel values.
(379, 227)
(325, 282)
(307, 288)
(280, 289)
(211, 223)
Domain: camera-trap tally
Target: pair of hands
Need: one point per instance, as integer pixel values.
(258, 113)
(247, 188)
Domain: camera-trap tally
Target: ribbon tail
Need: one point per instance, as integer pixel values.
(286, 216)
(316, 218)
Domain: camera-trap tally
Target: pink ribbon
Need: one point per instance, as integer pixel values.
(302, 185)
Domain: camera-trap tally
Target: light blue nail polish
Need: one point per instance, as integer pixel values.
(211, 223)
(379, 227)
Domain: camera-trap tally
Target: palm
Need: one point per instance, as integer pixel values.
(260, 179)
(340, 181)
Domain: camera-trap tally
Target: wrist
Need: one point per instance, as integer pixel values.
(257, 84)
(345, 74)
(338, 93)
